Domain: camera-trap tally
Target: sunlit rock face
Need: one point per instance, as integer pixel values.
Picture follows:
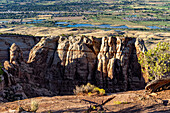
(57, 64)
(118, 68)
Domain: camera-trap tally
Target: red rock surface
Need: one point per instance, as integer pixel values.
(124, 102)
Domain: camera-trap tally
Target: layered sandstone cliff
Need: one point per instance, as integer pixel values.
(24, 42)
(57, 64)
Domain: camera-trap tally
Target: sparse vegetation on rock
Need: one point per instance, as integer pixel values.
(88, 89)
(34, 106)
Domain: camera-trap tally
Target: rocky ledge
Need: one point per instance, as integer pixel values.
(57, 64)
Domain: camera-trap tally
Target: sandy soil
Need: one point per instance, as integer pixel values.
(124, 102)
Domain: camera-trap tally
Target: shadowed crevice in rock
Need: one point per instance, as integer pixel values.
(57, 64)
(52, 58)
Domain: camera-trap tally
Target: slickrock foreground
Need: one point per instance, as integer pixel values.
(57, 64)
(125, 102)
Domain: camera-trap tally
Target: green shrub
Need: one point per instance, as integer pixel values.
(100, 91)
(156, 61)
(88, 89)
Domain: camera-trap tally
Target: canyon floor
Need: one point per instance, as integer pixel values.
(123, 102)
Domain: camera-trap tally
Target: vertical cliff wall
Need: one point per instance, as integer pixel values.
(57, 64)
(25, 43)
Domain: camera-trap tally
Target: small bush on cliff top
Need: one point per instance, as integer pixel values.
(34, 106)
(88, 89)
(156, 61)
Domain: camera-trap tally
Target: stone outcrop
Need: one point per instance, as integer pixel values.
(57, 64)
(23, 41)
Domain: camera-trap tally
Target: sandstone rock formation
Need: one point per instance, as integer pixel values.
(25, 43)
(57, 64)
(118, 66)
